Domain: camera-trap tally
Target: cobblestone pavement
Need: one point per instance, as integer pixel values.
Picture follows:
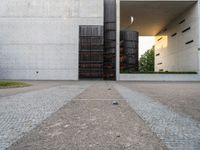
(182, 97)
(176, 131)
(22, 112)
(91, 122)
(45, 119)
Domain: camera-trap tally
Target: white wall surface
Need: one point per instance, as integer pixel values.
(39, 39)
(175, 55)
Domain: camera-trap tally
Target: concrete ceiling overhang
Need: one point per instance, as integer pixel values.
(151, 16)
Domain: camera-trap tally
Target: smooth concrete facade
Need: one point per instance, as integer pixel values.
(39, 39)
(176, 47)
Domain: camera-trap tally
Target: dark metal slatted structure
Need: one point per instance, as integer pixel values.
(109, 39)
(128, 51)
(91, 51)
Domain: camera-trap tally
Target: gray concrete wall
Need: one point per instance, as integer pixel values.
(174, 54)
(39, 38)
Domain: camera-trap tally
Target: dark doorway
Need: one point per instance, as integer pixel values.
(91, 52)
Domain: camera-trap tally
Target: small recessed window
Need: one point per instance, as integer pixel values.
(159, 64)
(161, 70)
(158, 54)
(186, 29)
(159, 39)
(181, 21)
(189, 42)
(173, 34)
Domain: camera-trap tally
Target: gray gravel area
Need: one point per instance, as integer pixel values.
(92, 122)
(176, 131)
(22, 112)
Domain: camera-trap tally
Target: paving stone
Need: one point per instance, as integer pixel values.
(22, 112)
(175, 130)
(90, 121)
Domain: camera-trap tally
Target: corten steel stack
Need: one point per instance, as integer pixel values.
(129, 51)
(91, 51)
(109, 39)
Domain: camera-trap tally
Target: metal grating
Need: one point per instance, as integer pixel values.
(90, 51)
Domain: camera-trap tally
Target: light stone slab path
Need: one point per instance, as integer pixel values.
(91, 122)
(22, 112)
(175, 130)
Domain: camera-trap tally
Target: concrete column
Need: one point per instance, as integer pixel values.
(198, 5)
(118, 41)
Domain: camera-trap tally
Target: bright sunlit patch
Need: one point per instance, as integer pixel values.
(161, 42)
(145, 43)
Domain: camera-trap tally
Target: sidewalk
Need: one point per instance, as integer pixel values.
(90, 121)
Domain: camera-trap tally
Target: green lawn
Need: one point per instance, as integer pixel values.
(13, 84)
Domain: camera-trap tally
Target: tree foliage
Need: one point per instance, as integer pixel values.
(146, 63)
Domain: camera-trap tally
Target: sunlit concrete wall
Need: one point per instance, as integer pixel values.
(177, 50)
(39, 38)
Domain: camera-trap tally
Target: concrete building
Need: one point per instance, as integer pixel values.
(177, 44)
(175, 25)
(39, 39)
